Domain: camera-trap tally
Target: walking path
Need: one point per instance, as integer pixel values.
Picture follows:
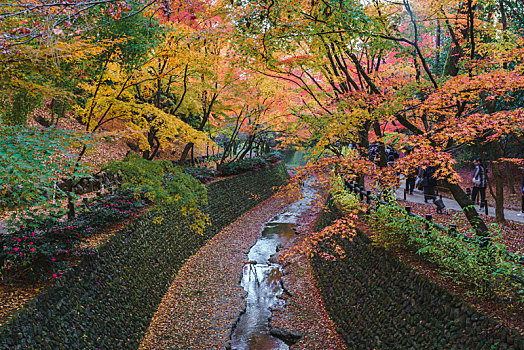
(418, 197)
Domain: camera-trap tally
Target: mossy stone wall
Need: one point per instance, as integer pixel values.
(107, 301)
(378, 302)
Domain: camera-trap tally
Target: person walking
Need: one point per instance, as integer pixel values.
(480, 182)
(410, 180)
(522, 194)
(427, 174)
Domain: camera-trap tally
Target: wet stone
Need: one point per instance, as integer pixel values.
(262, 280)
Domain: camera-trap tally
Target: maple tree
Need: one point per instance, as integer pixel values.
(438, 78)
(373, 72)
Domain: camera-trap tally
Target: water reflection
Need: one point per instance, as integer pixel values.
(262, 280)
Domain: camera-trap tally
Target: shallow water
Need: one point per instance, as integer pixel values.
(294, 158)
(262, 281)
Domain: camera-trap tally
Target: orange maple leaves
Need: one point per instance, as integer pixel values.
(343, 228)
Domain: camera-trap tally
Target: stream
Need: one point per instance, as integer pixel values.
(261, 279)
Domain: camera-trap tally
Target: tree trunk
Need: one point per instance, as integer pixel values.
(503, 18)
(381, 146)
(186, 151)
(499, 197)
(248, 148)
(451, 67)
(511, 180)
(205, 116)
(469, 209)
(363, 140)
(153, 148)
(438, 45)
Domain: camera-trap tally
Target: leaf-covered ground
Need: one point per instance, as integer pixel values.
(205, 299)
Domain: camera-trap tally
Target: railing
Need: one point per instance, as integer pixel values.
(367, 197)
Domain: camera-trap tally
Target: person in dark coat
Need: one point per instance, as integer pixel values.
(410, 180)
(480, 182)
(522, 194)
(429, 182)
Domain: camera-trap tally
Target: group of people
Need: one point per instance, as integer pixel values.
(424, 178)
(374, 153)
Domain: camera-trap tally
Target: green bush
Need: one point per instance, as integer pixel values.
(249, 164)
(347, 202)
(161, 182)
(108, 300)
(158, 180)
(487, 268)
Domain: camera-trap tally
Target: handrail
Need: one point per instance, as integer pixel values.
(429, 223)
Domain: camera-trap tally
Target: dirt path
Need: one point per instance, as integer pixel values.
(205, 299)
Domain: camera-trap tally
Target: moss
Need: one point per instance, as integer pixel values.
(107, 301)
(378, 302)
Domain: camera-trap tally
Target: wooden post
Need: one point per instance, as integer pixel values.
(368, 197)
(405, 193)
(408, 210)
(485, 201)
(452, 231)
(429, 219)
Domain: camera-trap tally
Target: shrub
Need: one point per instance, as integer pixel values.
(487, 268)
(39, 241)
(201, 174)
(249, 164)
(345, 201)
(161, 182)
